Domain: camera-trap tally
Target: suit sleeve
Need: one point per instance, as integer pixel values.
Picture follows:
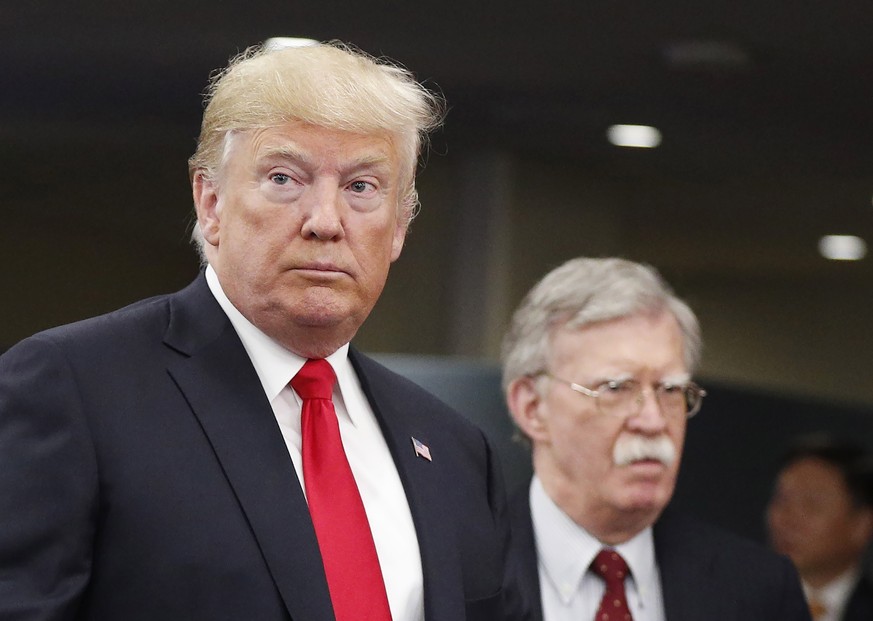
(48, 486)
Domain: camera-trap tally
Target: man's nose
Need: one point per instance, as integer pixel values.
(323, 205)
(651, 416)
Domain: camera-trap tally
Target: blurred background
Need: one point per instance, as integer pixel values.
(764, 116)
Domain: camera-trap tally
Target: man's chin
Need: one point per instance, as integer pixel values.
(319, 307)
(316, 321)
(303, 328)
(646, 509)
(648, 493)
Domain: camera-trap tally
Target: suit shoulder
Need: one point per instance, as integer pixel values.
(732, 550)
(109, 330)
(702, 565)
(136, 315)
(677, 524)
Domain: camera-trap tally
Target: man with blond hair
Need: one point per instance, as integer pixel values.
(598, 366)
(222, 452)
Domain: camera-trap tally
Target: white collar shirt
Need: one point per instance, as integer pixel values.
(369, 457)
(834, 595)
(565, 550)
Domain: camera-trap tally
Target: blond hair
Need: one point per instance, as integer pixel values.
(330, 85)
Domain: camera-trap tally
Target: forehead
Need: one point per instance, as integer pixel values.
(639, 342)
(315, 145)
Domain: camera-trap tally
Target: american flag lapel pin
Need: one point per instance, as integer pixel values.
(421, 449)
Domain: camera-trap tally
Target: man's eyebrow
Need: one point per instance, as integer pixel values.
(285, 152)
(378, 161)
(291, 153)
(372, 158)
(676, 378)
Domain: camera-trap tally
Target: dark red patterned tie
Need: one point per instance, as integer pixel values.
(609, 565)
(354, 577)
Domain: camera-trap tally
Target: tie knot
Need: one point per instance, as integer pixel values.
(610, 566)
(817, 608)
(315, 380)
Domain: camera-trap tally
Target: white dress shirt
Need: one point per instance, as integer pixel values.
(570, 591)
(369, 458)
(834, 595)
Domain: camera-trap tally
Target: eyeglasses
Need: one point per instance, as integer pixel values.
(624, 398)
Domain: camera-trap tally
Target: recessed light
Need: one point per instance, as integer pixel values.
(640, 136)
(842, 247)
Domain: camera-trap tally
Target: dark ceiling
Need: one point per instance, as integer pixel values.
(732, 84)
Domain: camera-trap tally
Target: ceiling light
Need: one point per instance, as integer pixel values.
(842, 247)
(277, 43)
(641, 136)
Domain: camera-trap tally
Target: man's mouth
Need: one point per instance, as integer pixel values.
(320, 269)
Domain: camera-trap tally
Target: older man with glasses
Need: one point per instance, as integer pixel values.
(598, 366)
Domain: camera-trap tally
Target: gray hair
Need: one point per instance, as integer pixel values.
(330, 85)
(585, 291)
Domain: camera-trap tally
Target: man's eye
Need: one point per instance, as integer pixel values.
(615, 386)
(361, 186)
(280, 178)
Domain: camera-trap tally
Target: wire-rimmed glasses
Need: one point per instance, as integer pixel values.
(624, 398)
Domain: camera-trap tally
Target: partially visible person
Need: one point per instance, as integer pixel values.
(223, 452)
(598, 366)
(821, 516)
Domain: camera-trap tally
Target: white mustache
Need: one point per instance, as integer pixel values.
(629, 449)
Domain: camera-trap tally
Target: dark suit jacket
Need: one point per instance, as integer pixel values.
(706, 574)
(860, 604)
(143, 477)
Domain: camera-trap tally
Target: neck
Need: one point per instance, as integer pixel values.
(615, 530)
(311, 344)
(820, 577)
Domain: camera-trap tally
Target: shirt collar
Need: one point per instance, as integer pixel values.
(835, 594)
(566, 550)
(274, 364)
(639, 553)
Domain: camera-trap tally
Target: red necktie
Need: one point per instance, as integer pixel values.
(609, 565)
(354, 577)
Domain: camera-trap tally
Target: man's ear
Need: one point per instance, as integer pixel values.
(206, 205)
(398, 240)
(526, 406)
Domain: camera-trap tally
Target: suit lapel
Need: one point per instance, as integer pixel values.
(423, 483)
(225, 394)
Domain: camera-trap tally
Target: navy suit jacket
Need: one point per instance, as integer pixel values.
(706, 574)
(143, 476)
(860, 604)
